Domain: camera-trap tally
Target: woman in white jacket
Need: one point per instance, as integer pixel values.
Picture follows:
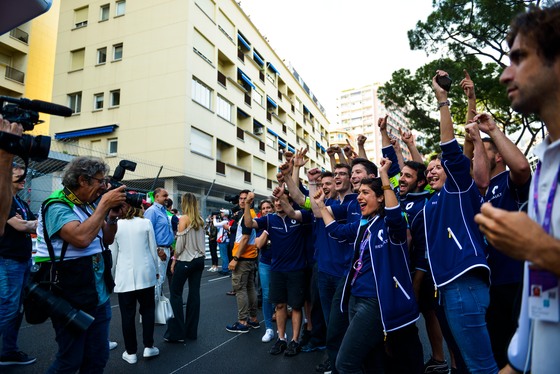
(135, 271)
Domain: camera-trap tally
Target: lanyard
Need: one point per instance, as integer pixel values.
(364, 243)
(550, 202)
(23, 210)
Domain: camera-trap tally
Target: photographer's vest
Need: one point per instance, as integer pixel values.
(82, 212)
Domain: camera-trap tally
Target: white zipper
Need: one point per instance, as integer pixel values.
(398, 285)
(451, 235)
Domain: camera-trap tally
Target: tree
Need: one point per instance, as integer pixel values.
(469, 31)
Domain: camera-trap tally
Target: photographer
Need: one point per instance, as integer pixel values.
(72, 221)
(6, 159)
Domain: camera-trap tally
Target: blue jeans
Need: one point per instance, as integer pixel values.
(223, 255)
(465, 301)
(13, 278)
(327, 287)
(87, 351)
(264, 276)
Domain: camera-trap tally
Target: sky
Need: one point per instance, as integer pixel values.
(340, 44)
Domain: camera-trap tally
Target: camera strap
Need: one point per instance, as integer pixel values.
(47, 238)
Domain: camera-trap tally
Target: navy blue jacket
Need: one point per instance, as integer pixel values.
(454, 243)
(388, 254)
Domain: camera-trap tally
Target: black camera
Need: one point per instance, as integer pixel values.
(133, 198)
(25, 112)
(57, 308)
(234, 199)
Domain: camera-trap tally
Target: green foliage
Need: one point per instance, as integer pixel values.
(466, 32)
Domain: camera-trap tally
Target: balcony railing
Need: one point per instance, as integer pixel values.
(20, 35)
(14, 74)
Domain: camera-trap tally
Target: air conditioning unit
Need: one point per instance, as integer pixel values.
(258, 130)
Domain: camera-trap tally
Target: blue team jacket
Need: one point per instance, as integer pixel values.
(454, 244)
(388, 254)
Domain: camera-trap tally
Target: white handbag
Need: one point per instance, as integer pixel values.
(163, 310)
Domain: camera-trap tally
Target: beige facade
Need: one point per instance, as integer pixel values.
(189, 84)
(358, 112)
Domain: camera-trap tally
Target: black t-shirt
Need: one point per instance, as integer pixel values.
(17, 245)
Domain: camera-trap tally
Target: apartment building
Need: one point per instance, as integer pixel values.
(187, 84)
(27, 61)
(358, 112)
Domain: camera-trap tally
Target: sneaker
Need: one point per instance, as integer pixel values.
(254, 325)
(112, 345)
(278, 347)
(435, 366)
(292, 349)
(268, 336)
(312, 347)
(16, 358)
(131, 359)
(324, 367)
(150, 352)
(238, 327)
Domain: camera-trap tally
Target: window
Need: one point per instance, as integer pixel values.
(201, 142)
(203, 47)
(81, 17)
(101, 55)
(98, 101)
(75, 102)
(117, 52)
(226, 26)
(271, 140)
(112, 147)
(77, 59)
(115, 98)
(223, 108)
(258, 96)
(104, 12)
(120, 8)
(207, 6)
(201, 93)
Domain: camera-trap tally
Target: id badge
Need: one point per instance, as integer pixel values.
(544, 304)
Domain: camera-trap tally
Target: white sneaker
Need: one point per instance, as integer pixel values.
(151, 352)
(131, 359)
(268, 336)
(112, 345)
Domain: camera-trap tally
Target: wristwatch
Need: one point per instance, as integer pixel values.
(235, 258)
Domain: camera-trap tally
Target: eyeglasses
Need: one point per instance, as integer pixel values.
(341, 174)
(102, 181)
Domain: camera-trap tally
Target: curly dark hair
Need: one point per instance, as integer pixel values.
(83, 166)
(542, 26)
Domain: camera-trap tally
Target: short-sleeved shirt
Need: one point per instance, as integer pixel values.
(14, 244)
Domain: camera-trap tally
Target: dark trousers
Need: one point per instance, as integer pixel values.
(86, 351)
(185, 325)
(127, 305)
(501, 318)
(337, 325)
(213, 245)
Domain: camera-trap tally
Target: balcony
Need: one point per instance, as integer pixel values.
(14, 74)
(20, 35)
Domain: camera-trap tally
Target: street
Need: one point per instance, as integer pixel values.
(215, 351)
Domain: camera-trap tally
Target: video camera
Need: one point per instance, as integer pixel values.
(133, 198)
(25, 112)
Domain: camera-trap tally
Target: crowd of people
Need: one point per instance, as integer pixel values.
(352, 255)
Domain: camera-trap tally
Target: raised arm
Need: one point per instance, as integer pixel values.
(331, 153)
(398, 151)
(247, 218)
(293, 187)
(446, 123)
(390, 197)
(519, 169)
(361, 146)
(408, 139)
(299, 161)
(481, 165)
(382, 124)
(468, 88)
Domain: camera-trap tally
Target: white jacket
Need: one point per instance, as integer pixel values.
(134, 255)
